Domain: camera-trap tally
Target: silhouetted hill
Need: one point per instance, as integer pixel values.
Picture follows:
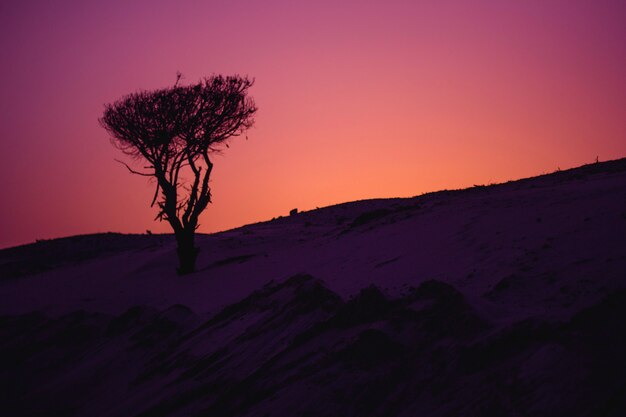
(47, 254)
(497, 300)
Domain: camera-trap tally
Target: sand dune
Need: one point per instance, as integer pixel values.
(496, 300)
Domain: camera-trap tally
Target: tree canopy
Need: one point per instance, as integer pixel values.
(175, 130)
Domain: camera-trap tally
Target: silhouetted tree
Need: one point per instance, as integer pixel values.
(175, 130)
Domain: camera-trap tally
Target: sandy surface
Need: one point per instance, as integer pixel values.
(499, 300)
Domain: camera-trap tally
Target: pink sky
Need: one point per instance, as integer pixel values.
(357, 99)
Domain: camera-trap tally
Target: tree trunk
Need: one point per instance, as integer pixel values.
(187, 252)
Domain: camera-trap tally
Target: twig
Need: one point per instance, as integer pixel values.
(143, 174)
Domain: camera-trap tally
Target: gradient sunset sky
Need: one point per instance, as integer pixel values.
(357, 99)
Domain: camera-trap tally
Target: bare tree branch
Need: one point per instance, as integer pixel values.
(143, 174)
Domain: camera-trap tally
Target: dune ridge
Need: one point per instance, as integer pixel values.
(505, 299)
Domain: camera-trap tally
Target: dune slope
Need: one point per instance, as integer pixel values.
(496, 300)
